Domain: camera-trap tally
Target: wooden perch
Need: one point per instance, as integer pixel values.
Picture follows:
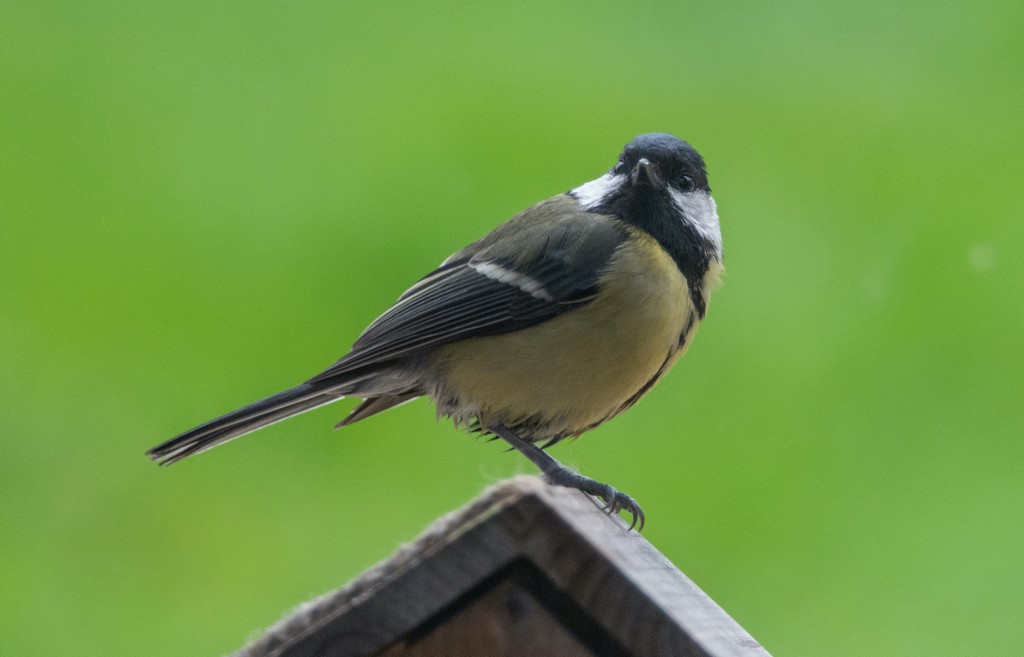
(525, 569)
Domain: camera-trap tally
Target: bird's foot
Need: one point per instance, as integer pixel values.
(614, 501)
(559, 475)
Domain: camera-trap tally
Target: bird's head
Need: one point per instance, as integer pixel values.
(660, 185)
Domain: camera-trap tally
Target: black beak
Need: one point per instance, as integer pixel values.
(647, 173)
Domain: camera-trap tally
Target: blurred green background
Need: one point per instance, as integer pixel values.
(203, 203)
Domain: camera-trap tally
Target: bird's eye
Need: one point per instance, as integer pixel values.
(685, 183)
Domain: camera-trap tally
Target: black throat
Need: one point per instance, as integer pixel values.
(652, 212)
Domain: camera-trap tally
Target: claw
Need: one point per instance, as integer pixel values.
(557, 474)
(614, 501)
(624, 502)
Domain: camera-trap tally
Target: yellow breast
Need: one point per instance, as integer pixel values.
(568, 374)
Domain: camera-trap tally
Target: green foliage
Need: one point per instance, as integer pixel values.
(203, 203)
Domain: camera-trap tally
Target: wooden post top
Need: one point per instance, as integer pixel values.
(524, 569)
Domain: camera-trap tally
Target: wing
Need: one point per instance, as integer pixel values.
(543, 262)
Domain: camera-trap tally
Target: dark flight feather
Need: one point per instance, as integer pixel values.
(240, 422)
(457, 301)
(565, 254)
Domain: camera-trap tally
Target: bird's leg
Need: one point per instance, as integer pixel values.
(559, 475)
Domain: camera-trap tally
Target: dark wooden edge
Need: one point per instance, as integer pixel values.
(640, 578)
(630, 589)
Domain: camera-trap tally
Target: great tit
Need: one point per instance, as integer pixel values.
(556, 321)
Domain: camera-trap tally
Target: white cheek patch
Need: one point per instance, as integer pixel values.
(594, 193)
(526, 283)
(700, 210)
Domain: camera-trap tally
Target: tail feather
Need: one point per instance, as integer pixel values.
(245, 420)
(374, 405)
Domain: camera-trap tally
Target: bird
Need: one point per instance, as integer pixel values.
(556, 321)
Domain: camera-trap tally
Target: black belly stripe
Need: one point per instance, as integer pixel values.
(686, 331)
(645, 387)
(697, 295)
(633, 399)
(690, 250)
